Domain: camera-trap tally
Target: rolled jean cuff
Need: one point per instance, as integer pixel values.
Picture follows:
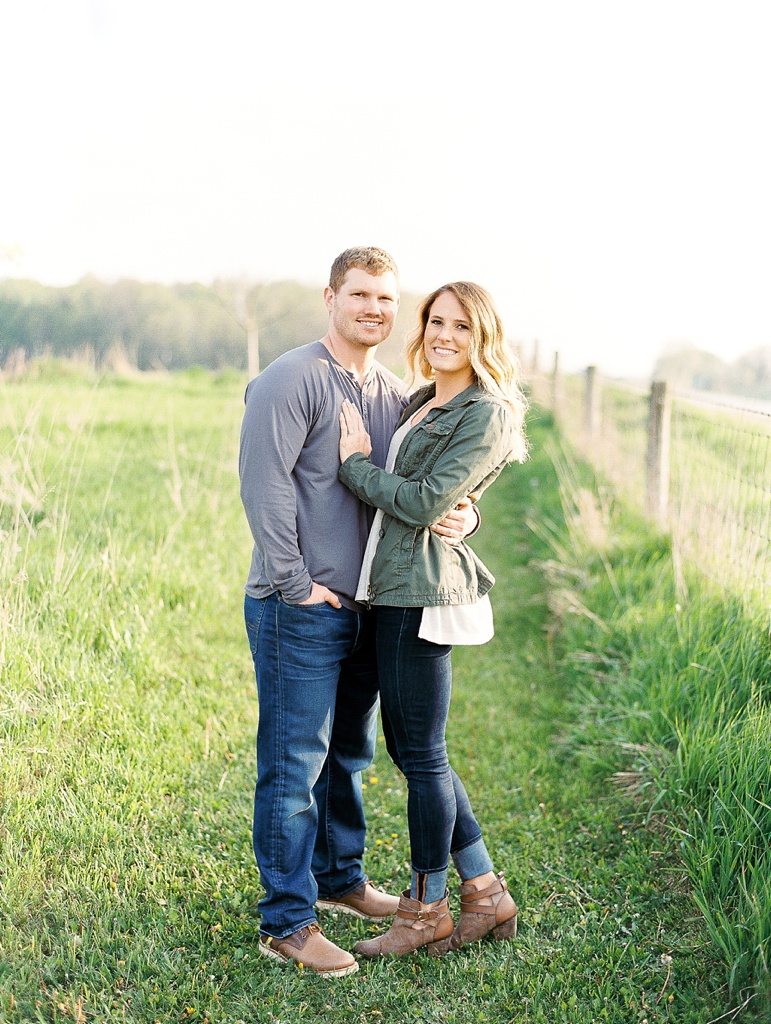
(472, 860)
(428, 886)
(296, 928)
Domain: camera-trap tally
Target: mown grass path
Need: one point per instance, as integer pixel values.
(128, 719)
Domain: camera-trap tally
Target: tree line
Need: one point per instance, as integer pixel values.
(151, 326)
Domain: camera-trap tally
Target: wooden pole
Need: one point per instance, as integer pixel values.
(252, 348)
(592, 405)
(657, 459)
(534, 363)
(555, 385)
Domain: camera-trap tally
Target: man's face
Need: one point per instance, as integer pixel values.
(363, 310)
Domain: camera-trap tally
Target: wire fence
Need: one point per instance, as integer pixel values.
(700, 466)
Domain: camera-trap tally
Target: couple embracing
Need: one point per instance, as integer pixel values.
(359, 500)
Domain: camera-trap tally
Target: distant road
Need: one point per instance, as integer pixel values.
(733, 401)
(704, 397)
(737, 402)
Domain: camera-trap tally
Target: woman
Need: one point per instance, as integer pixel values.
(454, 438)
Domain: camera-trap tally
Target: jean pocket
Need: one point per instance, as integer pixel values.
(313, 606)
(254, 609)
(317, 623)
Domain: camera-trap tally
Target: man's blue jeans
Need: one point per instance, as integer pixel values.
(317, 688)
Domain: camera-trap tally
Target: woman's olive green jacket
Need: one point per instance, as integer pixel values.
(456, 449)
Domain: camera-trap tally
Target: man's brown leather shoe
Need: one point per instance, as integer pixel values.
(309, 949)
(367, 902)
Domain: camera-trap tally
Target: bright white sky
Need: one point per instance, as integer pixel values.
(602, 166)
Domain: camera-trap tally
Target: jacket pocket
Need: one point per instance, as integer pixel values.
(426, 446)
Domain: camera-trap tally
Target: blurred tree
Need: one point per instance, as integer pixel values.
(690, 368)
(239, 297)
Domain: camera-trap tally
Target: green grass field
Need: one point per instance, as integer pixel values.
(128, 888)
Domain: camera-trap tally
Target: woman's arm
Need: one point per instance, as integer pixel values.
(478, 449)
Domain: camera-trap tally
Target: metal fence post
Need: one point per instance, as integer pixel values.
(657, 459)
(592, 405)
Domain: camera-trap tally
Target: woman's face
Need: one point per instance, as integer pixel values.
(447, 337)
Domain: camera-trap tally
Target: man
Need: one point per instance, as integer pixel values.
(312, 644)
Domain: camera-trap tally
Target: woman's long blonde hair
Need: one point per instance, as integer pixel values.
(494, 364)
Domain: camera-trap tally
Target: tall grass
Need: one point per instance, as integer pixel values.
(719, 462)
(676, 678)
(106, 638)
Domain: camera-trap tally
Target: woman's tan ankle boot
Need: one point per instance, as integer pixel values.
(483, 911)
(416, 925)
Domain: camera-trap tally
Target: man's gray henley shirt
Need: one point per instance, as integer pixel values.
(307, 526)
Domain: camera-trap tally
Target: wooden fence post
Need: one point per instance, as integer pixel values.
(555, 385)
(657, 460)
(592, 404)
(534, 361)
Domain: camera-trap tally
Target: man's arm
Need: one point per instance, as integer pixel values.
(274, 429)
(459, 523)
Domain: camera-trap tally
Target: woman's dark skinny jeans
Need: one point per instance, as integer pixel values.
(415, 679)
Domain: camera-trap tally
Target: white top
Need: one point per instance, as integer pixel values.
(467, 624)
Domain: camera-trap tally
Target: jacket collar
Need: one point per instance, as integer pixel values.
(471, 394)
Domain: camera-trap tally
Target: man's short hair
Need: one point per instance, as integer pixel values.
(365, 257)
